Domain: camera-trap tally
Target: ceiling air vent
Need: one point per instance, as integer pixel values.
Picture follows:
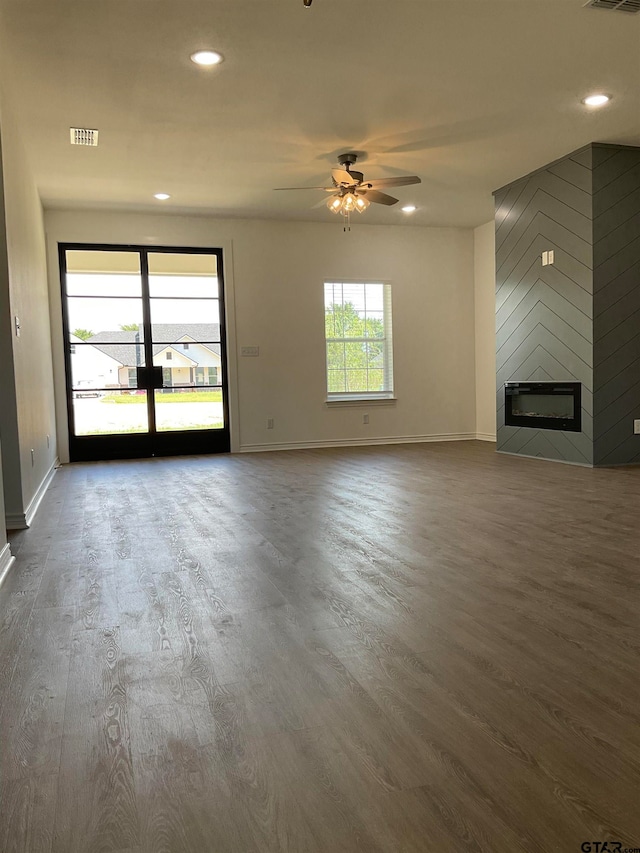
(618, 5)
(84, 136)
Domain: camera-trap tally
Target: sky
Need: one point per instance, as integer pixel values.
(367, 300)
(117, 300)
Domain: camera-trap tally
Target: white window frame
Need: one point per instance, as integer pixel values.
(364, 397)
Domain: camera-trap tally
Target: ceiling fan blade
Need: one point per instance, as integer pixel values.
(378, 183)
(378, 197)
(304, 188)
(341, 176)
(321, 203)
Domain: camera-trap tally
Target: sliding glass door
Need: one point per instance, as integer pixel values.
(145, 351)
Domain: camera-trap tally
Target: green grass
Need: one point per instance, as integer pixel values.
(177, 397)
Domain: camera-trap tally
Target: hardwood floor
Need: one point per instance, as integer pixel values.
(398, 649)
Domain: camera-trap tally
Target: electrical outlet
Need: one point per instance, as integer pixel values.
(365, 419)
(17, 326)
(636, 426)
(269, 423)
(250, 351)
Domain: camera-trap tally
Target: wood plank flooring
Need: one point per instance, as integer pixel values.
(386, 650)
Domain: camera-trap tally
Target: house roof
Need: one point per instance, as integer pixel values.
(121, 345)
(468, 94)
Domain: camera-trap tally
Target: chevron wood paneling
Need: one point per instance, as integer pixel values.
(616, 299)
(580, 318)
(544, 315)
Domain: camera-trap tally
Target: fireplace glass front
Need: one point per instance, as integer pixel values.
(543, 405)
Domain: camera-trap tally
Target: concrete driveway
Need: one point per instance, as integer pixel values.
(96, 416)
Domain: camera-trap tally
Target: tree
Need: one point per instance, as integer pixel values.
(355, 349)
(129, 327)
(83, 334)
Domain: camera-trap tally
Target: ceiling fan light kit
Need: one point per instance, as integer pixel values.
(346, 204)
(350, 191)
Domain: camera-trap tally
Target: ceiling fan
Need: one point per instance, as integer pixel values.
(350, 191)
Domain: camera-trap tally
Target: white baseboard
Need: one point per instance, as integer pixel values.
(6, 561)
(486, 436)
(357, 442)
(22, 520)
(36, 500)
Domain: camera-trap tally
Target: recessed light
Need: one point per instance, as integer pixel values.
(409, 208)
(207, 58)
(598, 100)
(162, 196)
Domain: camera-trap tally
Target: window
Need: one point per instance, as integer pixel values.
(169, 356)
(185, 346)
(358, 334)
(72, 349)
(206, 375)
(132, 377)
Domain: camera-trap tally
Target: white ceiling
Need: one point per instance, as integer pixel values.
(468, 94)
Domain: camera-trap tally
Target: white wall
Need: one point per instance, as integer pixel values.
(275, 272)
(485, 326)
(27, 384)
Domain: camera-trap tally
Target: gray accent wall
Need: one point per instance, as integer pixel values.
(578, 319)
(616, 304)
(544, 315)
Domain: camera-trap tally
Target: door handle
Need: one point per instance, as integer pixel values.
(141, 377)
(156, 377)
(149, 377)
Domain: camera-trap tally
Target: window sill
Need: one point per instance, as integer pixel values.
(360, 400)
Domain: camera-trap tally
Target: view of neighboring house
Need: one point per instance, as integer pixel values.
(188, 355)
(91, 365)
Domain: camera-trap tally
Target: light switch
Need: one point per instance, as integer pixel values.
(250, 351)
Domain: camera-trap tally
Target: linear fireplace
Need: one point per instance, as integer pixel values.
(543, 405)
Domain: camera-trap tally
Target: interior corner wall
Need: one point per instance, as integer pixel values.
(274, 275)
(616, 308)
(29, 440)
(7, 410)
(10, 471)
(485, 337)
(3, 532)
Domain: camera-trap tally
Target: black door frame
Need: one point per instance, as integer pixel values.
(152, 443)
